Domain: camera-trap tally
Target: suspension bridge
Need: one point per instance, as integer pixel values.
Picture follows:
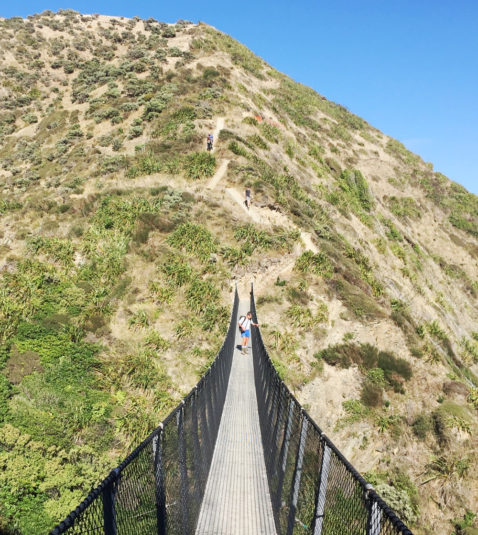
(238, 456)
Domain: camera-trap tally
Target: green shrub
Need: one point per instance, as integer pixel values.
(138, 368)
(300, 317)
(399, 489)
(209, 74)
(451, 415)
(258, 142)
(333, 167)
(354, 185)
(154, 107)
(55, 248)
(168, 32)
(422, 426)
(251, 238)
(194, 239)
(234, 256)
(238, 149)
(155, 341)
(317, 263)
(7, 205)
(297, 295)
(184, 114)
(376, 376)
(145, 165)
(399, 150)
(185, 328)
(30, 118)
(270, 132)
(372, 394)
(250, 120)
(199, 165)
(54, 481)
(399, 500)
(177, 270)
(135, 131)
(5, 393)
(289, 150)
(434, 329)
(316, 151)
(394, 368)
(384, 369)
(139, 319)
(464, 526)
(112, 164)
(201, 294)
(215, 318)
(404, 207)
(355, 411)
(464, 223)
(391, 232)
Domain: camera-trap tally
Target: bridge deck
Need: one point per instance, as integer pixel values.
(237, 500)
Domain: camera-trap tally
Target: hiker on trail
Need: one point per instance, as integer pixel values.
(209, 142)
(247, 202)
(245, 323)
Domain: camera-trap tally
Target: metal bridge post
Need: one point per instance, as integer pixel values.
(108, 496)
(198, 464)
(280, 410)
(210, 414)
(160, 495)
(297, 476)
(374, 513)
(183, 472)
(205, 429)
(269, 400)
(284, 452)
(215, 400)
(321, 494)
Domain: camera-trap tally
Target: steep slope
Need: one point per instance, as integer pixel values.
(120, 239)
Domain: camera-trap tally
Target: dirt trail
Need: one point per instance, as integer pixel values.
(223, 167)
(266, 216)
(239, 199)
(306, 237)
(219, 127)
(218, 174)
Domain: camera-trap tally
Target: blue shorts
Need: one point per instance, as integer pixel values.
(246, 333)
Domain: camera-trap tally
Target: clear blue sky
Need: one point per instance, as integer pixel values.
(409, 67)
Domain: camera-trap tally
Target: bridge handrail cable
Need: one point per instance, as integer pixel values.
(313, 488)
(159, 487)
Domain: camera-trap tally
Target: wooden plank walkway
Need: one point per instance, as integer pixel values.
(237, 500)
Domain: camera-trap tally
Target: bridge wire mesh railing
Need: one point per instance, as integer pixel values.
(313, 488)
(158, 488)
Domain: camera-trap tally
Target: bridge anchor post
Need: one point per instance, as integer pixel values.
(284, 453)
(183, 472)
(374, 519)
(321, 494)
(159, 481)
(297, 476)
(108, 497)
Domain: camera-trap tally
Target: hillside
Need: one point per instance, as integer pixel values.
(121, 239)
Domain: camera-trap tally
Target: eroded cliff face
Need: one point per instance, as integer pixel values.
(121, 239)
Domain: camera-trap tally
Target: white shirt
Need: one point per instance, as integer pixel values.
(245, 323)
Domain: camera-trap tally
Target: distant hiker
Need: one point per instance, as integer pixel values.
(245, 323)
(209, 142)
(247, 202)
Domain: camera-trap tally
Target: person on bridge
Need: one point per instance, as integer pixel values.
(245, 323)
